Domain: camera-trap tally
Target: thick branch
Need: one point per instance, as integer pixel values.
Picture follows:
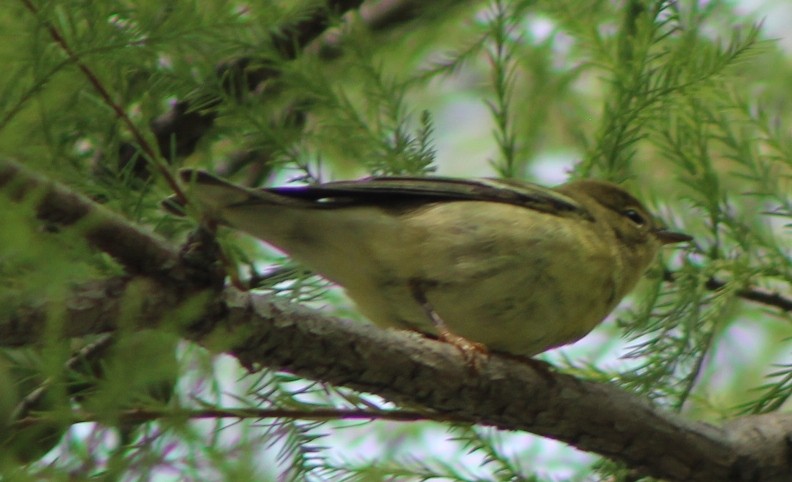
(410, 369)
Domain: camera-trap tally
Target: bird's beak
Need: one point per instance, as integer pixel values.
(670, 237)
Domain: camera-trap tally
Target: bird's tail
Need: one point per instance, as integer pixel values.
(216, 195)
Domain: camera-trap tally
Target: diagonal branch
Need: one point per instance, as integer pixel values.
(138, 251)
(99, 87)
(179, 130)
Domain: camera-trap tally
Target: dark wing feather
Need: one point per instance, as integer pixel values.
(398, 190)
(395, 192)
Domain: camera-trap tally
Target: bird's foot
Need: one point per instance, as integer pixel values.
(473, 352)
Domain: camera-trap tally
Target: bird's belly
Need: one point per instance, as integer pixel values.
(520, 308)
(526, 321)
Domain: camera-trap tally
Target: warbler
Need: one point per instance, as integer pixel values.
(498, 265)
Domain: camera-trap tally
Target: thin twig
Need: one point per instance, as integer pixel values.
(757, 295)
(142, 415)
(120, 113)
(32, 399)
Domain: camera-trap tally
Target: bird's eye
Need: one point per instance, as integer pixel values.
(634, 216)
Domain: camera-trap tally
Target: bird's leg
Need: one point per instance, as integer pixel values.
(470, 349)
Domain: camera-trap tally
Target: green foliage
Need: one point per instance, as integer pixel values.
(687, 101)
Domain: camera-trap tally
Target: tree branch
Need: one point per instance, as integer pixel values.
(138, 251)
(179, 130)
(142, 415)
(751, 294)
(409, 369)
(755, 294)
(100, 89)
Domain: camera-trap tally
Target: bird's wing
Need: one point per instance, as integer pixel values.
(400, 190)
(395, 192)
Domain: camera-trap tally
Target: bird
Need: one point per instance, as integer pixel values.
(490, 265)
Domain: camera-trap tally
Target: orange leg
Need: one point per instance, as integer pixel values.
(471, 350)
